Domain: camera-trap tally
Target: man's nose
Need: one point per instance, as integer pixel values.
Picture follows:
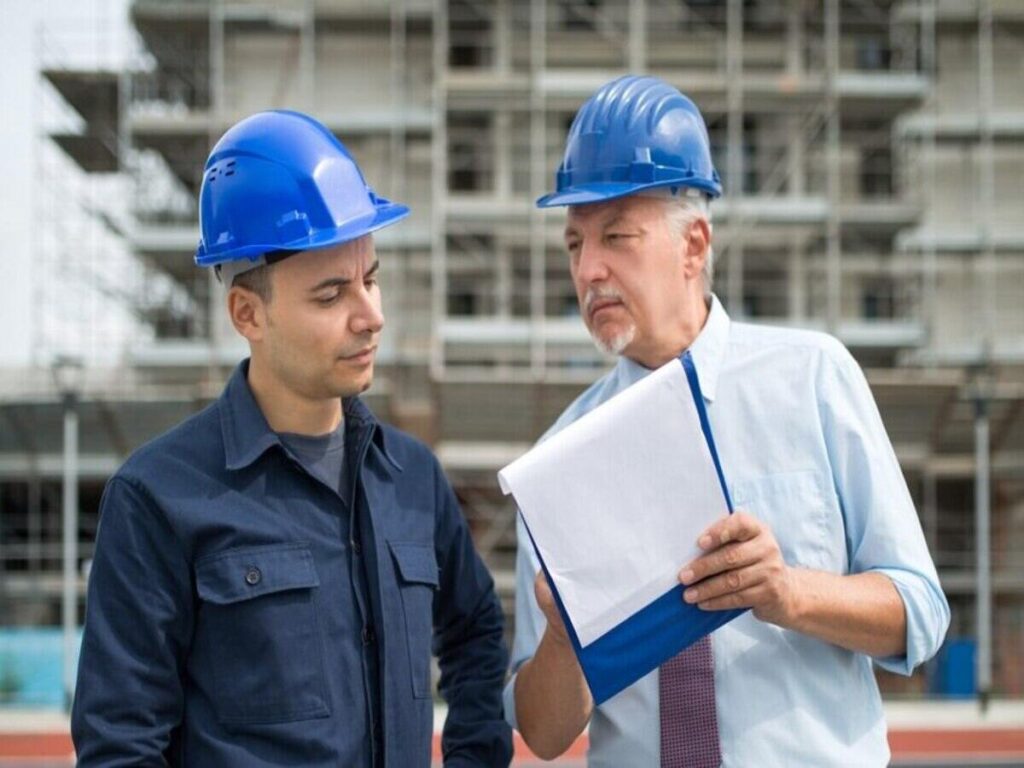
(591, 267)
(368, 316)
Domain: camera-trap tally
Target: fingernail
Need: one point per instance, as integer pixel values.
(704, 541)
(690, 595)
(686, 576)
(725, 537)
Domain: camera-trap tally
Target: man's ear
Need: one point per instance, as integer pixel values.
(696, 244)
(248, 313)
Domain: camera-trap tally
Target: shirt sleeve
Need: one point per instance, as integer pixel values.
(138, 623)
(530, 621)
(469, 644)
(883, 532)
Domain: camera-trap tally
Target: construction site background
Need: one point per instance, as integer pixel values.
(872, 153)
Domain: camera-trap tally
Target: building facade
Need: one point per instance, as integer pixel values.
(872, 154)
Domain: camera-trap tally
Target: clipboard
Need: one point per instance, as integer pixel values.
(617, 647)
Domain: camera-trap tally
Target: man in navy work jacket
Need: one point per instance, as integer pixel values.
(270, 574)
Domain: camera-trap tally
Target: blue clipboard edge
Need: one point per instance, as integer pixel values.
(645, 640)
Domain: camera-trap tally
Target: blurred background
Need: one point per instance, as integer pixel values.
(872, 153)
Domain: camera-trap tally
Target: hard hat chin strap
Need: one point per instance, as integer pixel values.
(227, 271)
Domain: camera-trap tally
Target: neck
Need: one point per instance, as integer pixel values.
(678, 336)
(288, 411)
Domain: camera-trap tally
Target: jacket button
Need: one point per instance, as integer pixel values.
(253, 576)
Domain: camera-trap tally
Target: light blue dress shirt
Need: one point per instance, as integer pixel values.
(803, 448)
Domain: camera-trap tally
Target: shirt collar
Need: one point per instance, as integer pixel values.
(628, 372)
(707, 351)
(247, 435)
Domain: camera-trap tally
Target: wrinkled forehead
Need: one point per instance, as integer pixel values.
(353, 255)
(343, 260)
(633, 208)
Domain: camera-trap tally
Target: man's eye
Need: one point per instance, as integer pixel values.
(327, 300)
(370, 282)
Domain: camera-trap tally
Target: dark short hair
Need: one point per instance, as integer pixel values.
(256, 280)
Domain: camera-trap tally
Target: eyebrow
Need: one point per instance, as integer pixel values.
(341, 282)
(621, 220)
(617, 220)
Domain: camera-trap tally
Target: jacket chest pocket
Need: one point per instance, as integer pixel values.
(417, 582)
(802, 513)
(259, 633)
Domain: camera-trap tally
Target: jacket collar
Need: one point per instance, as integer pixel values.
(247, 435)
(359, 420)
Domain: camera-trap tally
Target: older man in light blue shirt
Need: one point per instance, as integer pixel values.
(826, 548)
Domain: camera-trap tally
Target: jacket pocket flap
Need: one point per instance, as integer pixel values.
(242, 574)
(416, 562)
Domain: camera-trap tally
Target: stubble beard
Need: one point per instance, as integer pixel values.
(617, 344)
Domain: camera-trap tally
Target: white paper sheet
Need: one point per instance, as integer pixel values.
(615, 501)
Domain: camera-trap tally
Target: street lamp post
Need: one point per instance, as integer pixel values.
(983, 535)
(67, 375)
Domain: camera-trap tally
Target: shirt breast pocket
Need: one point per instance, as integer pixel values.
(417, 582)
(799, 508)
(258, 630)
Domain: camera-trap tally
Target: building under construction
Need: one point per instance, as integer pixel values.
(872, 154)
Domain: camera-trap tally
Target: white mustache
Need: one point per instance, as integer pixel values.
(599, 292)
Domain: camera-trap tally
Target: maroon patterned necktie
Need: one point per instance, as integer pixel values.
(686, 694)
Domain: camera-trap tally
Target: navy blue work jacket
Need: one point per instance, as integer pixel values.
(225, 623)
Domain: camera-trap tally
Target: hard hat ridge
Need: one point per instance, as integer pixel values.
(633, 133)
(281, 181)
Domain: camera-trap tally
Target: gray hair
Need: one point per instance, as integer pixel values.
(683, 206)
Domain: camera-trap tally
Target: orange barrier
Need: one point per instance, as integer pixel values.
(906, 744)
(28, 746)
(1004, 743)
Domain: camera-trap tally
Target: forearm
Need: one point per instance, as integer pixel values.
(473, 663)
(469, 643)
(129, 699)
(553, 702)
(743, 568)
(861, 612)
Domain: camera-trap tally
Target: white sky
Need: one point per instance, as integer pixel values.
(80, 32)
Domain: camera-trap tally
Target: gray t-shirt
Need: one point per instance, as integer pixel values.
(323, 456)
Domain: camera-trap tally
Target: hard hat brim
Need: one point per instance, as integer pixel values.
(602, 191)
(387, 213)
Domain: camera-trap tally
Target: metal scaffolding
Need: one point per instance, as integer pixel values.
(867, 148)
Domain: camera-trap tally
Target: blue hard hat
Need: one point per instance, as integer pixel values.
(634, 133)
(281, 181)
